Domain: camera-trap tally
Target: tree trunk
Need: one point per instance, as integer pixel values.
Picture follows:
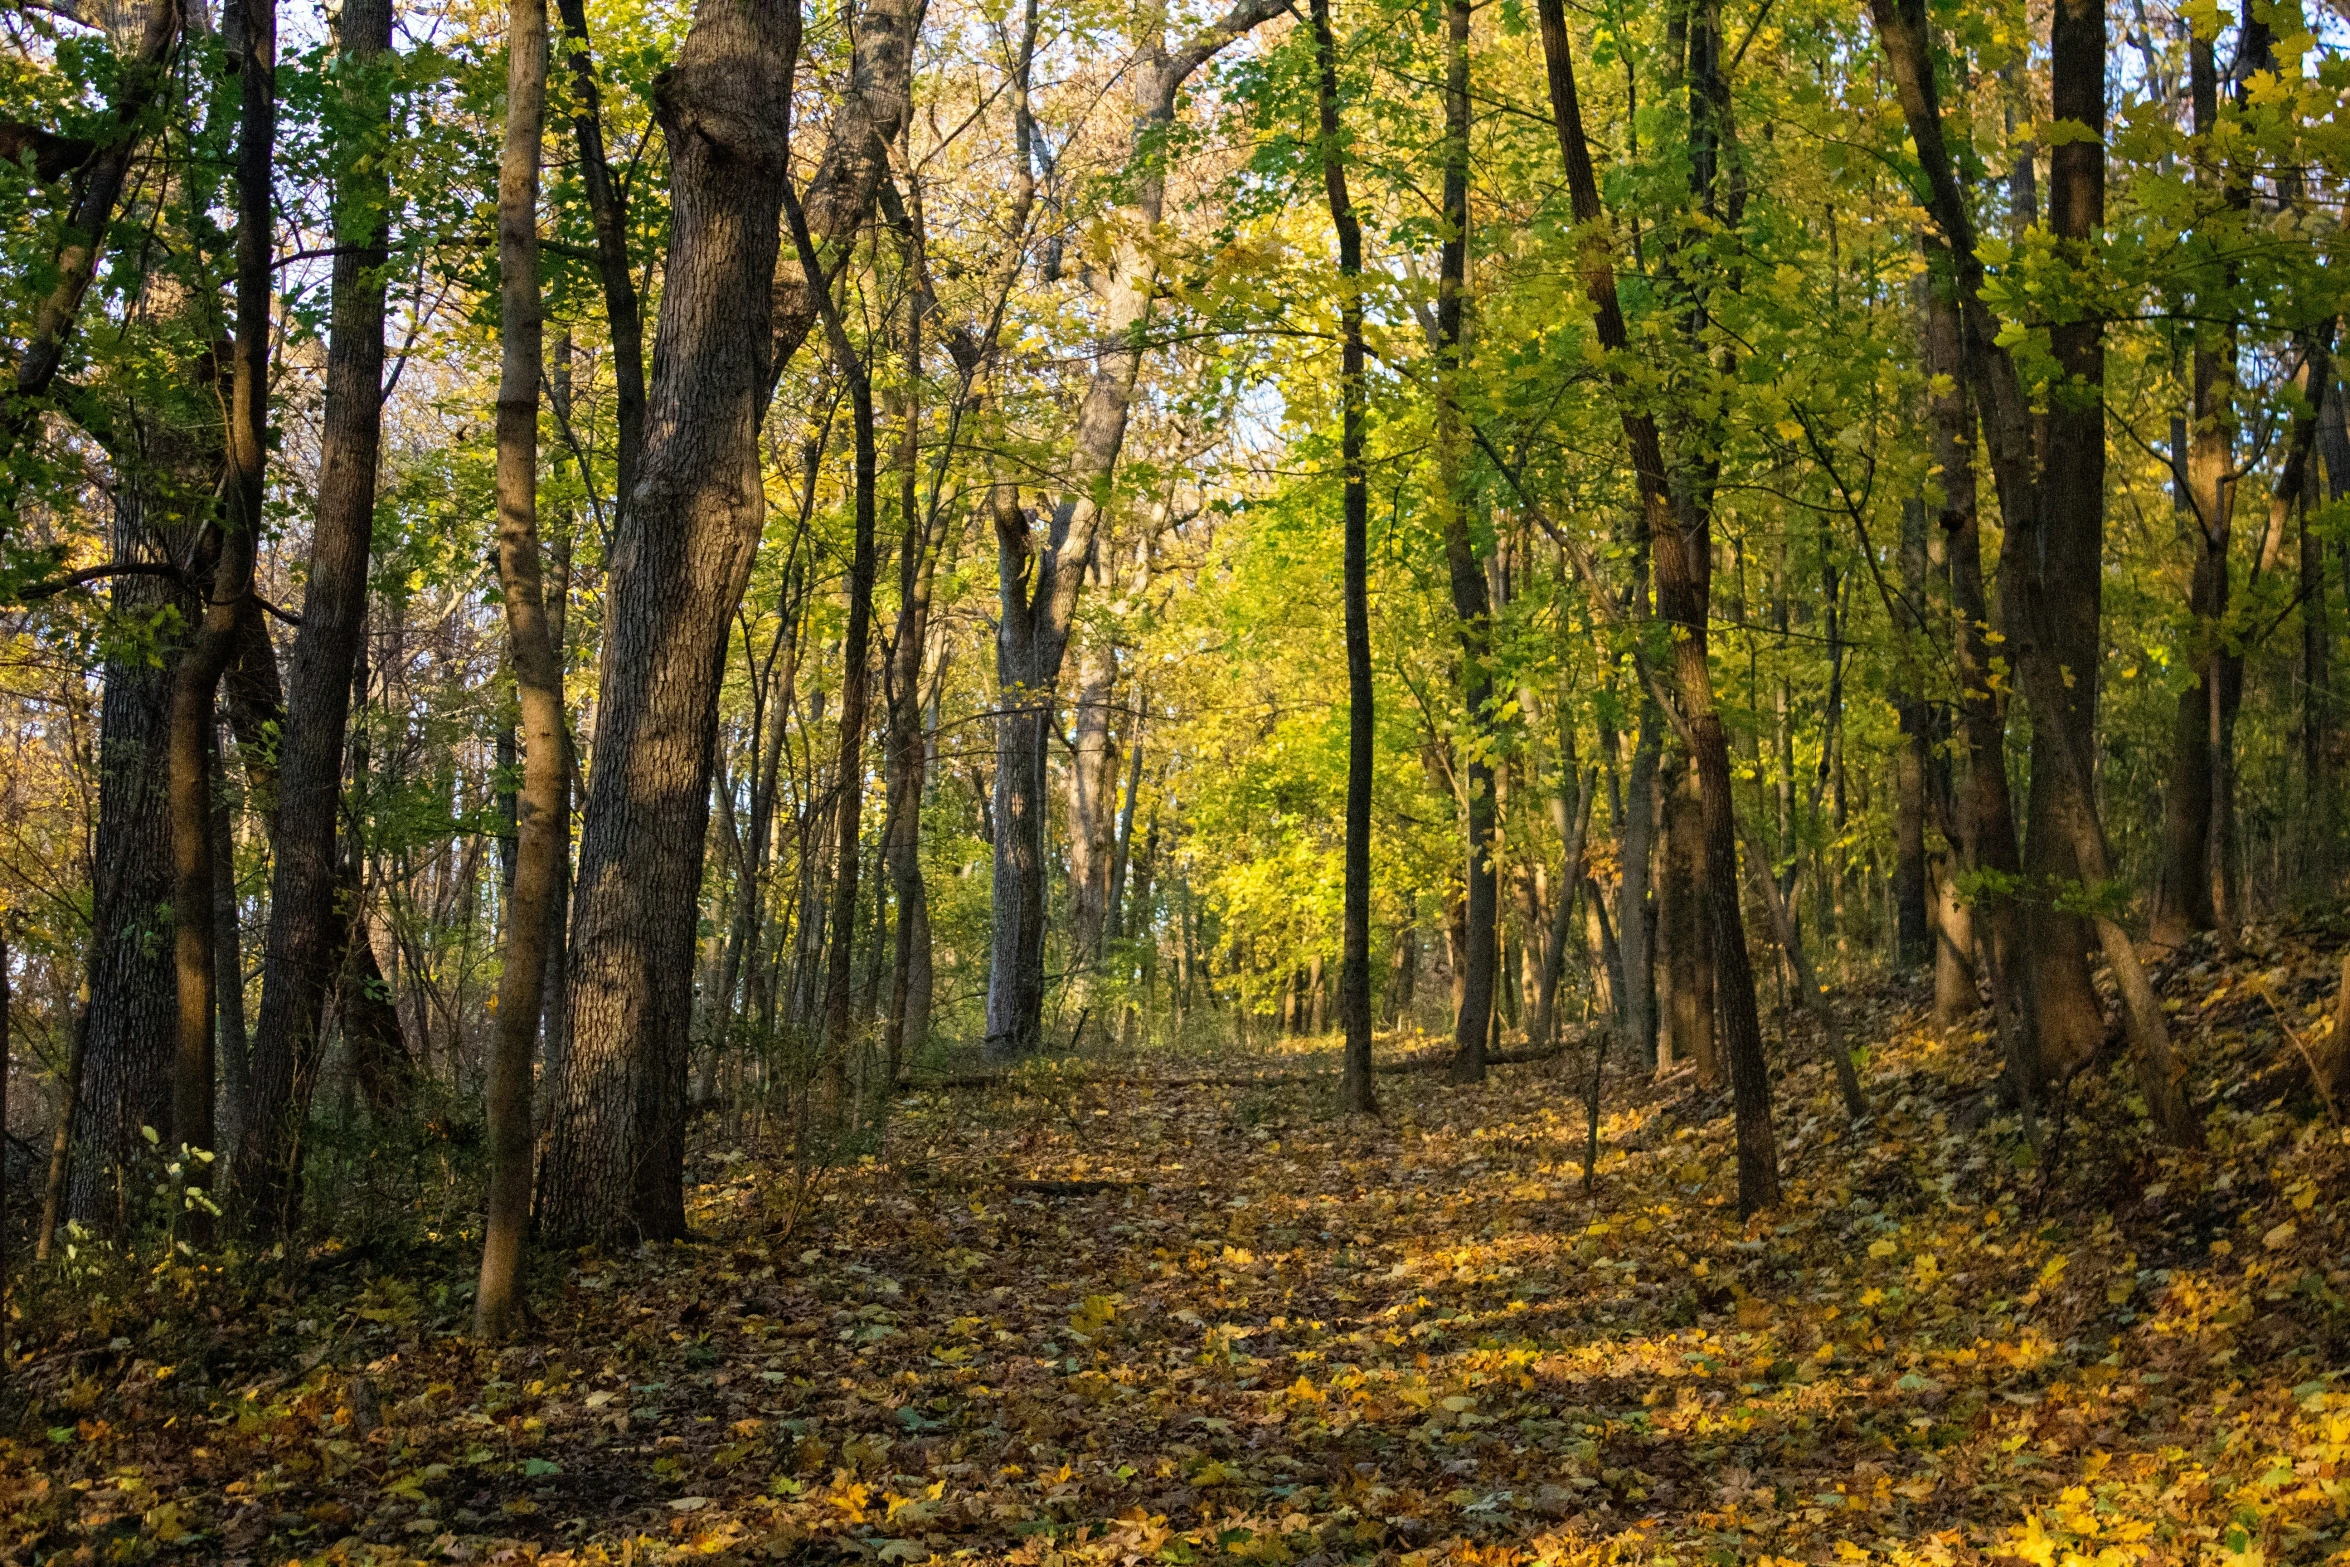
(1472, 602)
(2053, 501)
(1680, 528)
(2055, 548)
(538, 677)
(855, 667)
(232, 1047)
(852, 167)
(196, 682)
(1573, 825)
(123, 1042)
(608, 208)
(2318, 848)
(681, 557)
(302, 952)
(1912, 763)
(1092, 798)
(1635, 913)
(1122, 842)
(1039, 581)
(908, 1030)
(1955, 997)
(1687, 1032)
(369, 1019)
(1356, 1095)
(555, 993)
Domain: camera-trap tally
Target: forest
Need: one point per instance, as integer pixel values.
(1453, 784)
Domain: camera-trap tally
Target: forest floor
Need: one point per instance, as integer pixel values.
(1075, 1321)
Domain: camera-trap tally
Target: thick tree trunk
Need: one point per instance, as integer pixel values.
(363, 1005)
(1986, 812)
(2052, 497)
(1955, 996)
(124, 1040)
(303, 950)
(540, 827)
(1687, 1025)
(681, 557)
(2054, 548)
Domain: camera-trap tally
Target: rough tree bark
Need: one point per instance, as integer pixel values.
(123, 1041)
(2034, 484)
(2188, 892)
(2053, 547)
(681, 557)
(1986, 812)
(302, 953)
(1687, 1025)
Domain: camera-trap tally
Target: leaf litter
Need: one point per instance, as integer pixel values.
(1084, 1321)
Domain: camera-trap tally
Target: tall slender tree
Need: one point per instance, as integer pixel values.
(540, 817)
(233, 545)
(1356, 1093)
(303, 952)
(1681, 529)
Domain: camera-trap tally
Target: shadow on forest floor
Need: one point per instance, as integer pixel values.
(1107, 1322)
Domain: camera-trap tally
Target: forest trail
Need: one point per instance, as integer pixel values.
(1112, 1323)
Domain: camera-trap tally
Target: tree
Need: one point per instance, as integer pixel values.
(1679, 525)
(682, 553)
(1039, 580)
(307, 932)
(1354, 976)
(225, 590)
(543, 829)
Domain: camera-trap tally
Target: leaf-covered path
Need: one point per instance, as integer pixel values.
(1102, 1322)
